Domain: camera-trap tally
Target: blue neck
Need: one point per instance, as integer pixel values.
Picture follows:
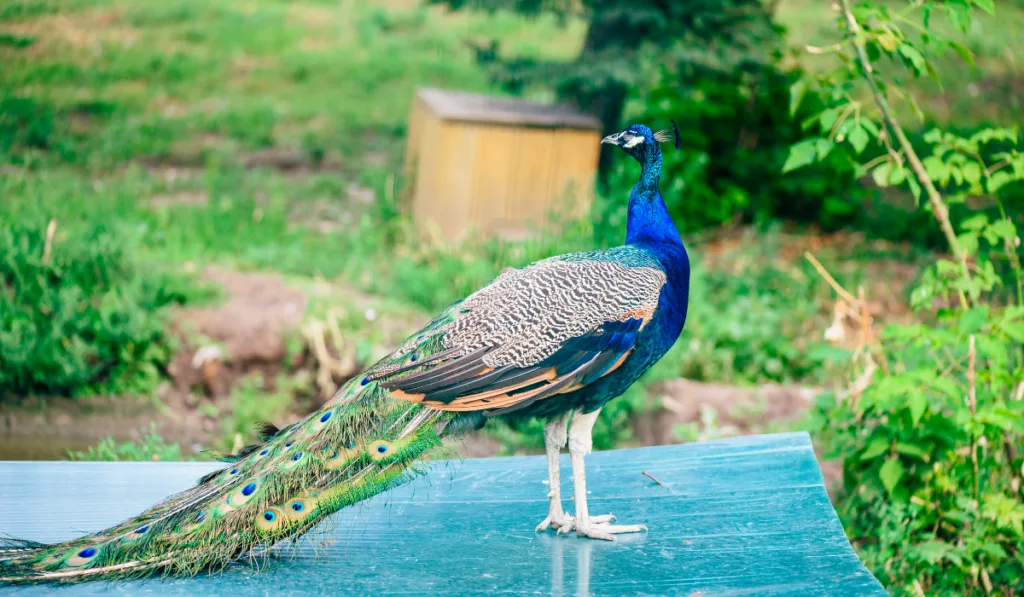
(649, 222)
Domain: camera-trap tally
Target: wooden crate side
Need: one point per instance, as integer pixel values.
(427, 165)
(493, 165)
(446, 206)
(498, 179)
(572, 189)
(533, 169)
(418, 113)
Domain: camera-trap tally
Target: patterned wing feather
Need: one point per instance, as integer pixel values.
(547, 329)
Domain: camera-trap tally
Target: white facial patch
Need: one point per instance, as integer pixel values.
(634, 142)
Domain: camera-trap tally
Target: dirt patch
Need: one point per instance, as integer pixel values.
(189, 157)
(249, 332)
(327, 215)
(692, 410)
(737, 410)
(290, 159)
(86, 30)
(886, 279)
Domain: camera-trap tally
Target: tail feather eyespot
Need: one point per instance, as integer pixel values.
(320, 422)
(379, 450)
(270, 519)
(83, 557)
(299, 508)
(138, 533)
(294, 460)
(242, 495)
(339, 457)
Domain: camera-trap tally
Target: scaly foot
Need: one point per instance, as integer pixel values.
(554, 520)
(599, 527)
(561, 520)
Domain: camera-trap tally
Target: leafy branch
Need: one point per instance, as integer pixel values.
(939, 208)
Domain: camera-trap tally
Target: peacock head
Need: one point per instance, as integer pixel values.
(640, 141)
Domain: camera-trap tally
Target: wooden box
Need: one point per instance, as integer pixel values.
(496, 166)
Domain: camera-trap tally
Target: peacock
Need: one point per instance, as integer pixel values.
(556, 339)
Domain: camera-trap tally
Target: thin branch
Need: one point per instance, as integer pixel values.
(849, 298)
(934, 198)
(972, 403)
(651, 477)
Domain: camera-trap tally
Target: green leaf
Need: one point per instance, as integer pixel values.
(878, 446)
(914, 57)
(969, 242)
(909, 98)
(988, 6)
(800, 155)
(975, 222)
(918, 404)
(828, 119)
(972, 321)
(962, 51)
(797, 91)
(998, 180)
(912, 450)
(1015, 330)
(936, 169)
(858, 138)
(881, 174)
(932, 551)
(947, 387)
(972, 172)
(958, 13)
(891, 473)
(1000, 230)
(869, 126)
(823, 147)
(915, 188)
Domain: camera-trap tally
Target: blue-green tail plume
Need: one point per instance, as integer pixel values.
(358, 445)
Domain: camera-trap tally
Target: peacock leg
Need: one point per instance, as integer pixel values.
(554, 440)
(555, 435)
(585, 525)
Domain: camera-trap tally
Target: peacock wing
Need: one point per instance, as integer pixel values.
(549, 328)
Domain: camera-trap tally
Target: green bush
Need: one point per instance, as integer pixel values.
(735, 131)
(77, 314)
(931, 456)
(931, 428)
(149, 447)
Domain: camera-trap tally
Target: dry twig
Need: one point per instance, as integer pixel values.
(51, 229)
(651, 477)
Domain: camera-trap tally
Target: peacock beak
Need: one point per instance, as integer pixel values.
(612, 139)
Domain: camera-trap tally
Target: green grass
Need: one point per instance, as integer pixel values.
(104, 82)
(147, 117)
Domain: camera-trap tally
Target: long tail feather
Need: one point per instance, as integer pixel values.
(358, 445)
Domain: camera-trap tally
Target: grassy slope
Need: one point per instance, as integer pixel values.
(144, 116)
(111, 107)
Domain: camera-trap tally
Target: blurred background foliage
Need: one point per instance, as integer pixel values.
(148, 147)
